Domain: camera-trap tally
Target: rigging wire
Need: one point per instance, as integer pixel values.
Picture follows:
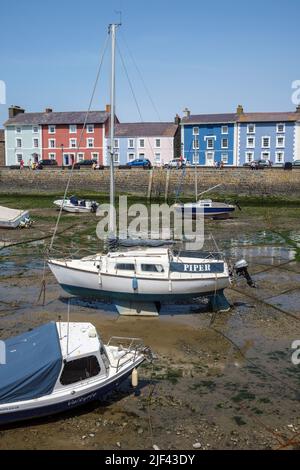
(80, 141)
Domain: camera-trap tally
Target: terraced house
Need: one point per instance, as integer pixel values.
(159, 142)
(2, 148)
(55, 136)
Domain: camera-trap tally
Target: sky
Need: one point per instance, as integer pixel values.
(207, 56)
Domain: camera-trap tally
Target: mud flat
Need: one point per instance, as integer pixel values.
(218, 382)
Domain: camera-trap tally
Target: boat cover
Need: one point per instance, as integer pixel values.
(32, 365)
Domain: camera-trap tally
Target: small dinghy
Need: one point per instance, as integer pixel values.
(14, 218)
(60, 366)
(75, 205)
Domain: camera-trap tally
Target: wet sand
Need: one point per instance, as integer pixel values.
(221, 381)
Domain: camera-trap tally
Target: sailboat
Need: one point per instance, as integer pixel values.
(138, 281)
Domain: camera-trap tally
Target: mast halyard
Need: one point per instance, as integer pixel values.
(112, 218)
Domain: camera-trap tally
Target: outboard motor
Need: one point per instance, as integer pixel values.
(241, 269)
(94, 207)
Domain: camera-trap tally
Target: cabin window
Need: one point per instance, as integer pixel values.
(80, 369)
(152, 268)
(125, 267)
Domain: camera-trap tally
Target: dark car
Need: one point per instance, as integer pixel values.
(142, 163)
(46, 164)
(87, 162)
(296, 163)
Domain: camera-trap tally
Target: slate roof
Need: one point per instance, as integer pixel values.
(245, 117)
(146, 129)
(55, 118)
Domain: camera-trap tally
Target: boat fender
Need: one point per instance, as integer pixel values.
(170, 285)
(135, 283)
(134, 378)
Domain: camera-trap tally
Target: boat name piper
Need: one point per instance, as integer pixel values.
(197, 268)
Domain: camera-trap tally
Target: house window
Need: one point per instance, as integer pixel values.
(130, 143)
(19, 157)
(224, 143)
(195, 130)
(51, 129)
(18, 130)
(251, 129)
(131, 156)
(250, 142)
(280, 142)
(116, 143)
(265, 142)
(90, 143)
(279, 157)
(224, 130)
(35, 129)
(73, 129)
(19, 143)
(35, 143)
(265, 155)
(80, 157)
(80, 369)
(95, 156)
(157, 158)
(157, 143)
(73, 143)
(142, 143)
(195, 144)
(249, 157)
(196, 158)
(116, 158)
(280, 128)
(52, 156)
(51, 144)
(210, 143)
(141, 156)
(90, 128)
(224, 158)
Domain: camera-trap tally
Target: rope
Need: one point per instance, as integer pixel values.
(79, 143)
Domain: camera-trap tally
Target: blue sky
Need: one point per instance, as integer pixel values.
(209, 56)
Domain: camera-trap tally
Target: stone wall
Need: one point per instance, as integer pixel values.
(241, 181)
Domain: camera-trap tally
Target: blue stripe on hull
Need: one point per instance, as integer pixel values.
(50, 410)
(115, 296)
(209, 210)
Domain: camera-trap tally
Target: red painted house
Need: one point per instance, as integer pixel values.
(64, 139)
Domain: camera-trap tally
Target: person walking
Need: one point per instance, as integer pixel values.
(21, 164)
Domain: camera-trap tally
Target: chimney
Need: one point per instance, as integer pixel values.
(13, 111)
(240, 110)
(177, 120)
(48, 110)
(298, 109)
(187, 112)
(107, 109)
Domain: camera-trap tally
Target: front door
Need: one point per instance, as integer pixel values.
(210, 159)
(66, 159)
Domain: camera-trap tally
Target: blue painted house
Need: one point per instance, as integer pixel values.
(208, 139)
(267, 136)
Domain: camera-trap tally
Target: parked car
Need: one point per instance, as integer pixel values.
(259, 164)
(46, 164)
(175, 163)
(87, 162)
(143, 163)
(296, 163)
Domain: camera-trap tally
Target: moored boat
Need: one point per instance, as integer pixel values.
(76, 206)
(60, 366)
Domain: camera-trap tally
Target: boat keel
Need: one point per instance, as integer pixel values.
(219, 303)
(140, 309)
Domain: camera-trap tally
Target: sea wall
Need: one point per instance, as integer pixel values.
(235, 182)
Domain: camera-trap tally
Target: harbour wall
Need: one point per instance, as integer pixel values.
(158, 182)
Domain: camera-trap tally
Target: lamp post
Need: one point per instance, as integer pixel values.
(62, 155)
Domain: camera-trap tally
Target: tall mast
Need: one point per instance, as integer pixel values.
(112, 220)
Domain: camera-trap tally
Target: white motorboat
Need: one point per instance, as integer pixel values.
(60, 366)
(76, 206)
(139, 281)
(207, 207)
(14, 218)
